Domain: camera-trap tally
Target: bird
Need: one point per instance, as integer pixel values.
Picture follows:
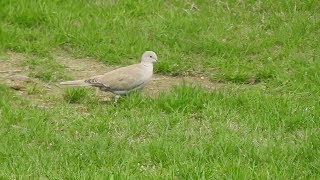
(123, 80)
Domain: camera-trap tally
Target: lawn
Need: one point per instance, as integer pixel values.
(261, 122)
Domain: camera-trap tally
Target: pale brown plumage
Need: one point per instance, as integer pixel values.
(123, 80)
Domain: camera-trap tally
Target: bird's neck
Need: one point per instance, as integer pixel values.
(147, 64)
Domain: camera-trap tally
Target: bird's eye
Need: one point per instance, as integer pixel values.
(151, 56)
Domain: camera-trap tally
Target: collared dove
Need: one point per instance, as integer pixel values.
(122, 80)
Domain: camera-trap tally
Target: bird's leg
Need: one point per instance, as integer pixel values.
(116, 98)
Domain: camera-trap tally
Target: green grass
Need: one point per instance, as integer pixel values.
(241, 134)
(239, 39)
(269, 130)
(46, 69)
(75, 95)
(34, 89)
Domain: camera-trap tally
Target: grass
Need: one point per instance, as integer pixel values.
(216, 135)
(46, 69)
(263, 124)
(34, 89)
(77, 95)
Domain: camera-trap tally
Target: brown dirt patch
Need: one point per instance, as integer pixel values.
(10, 66)
(79, 68)
(87, 67)
(15, 75)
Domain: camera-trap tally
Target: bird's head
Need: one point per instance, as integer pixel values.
(149, 56)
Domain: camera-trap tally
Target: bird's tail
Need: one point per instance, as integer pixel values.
(75, 83)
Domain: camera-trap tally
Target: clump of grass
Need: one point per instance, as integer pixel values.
(34, 89)
(75, 95)
(46, 75)
(46, 69)
(184, 98)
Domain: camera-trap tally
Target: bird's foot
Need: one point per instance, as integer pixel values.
(116, 99)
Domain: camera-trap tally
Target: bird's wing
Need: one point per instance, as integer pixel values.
(122, 79)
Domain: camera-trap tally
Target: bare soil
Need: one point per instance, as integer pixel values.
(15, 75)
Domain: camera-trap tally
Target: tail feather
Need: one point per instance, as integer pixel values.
(75, 83)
